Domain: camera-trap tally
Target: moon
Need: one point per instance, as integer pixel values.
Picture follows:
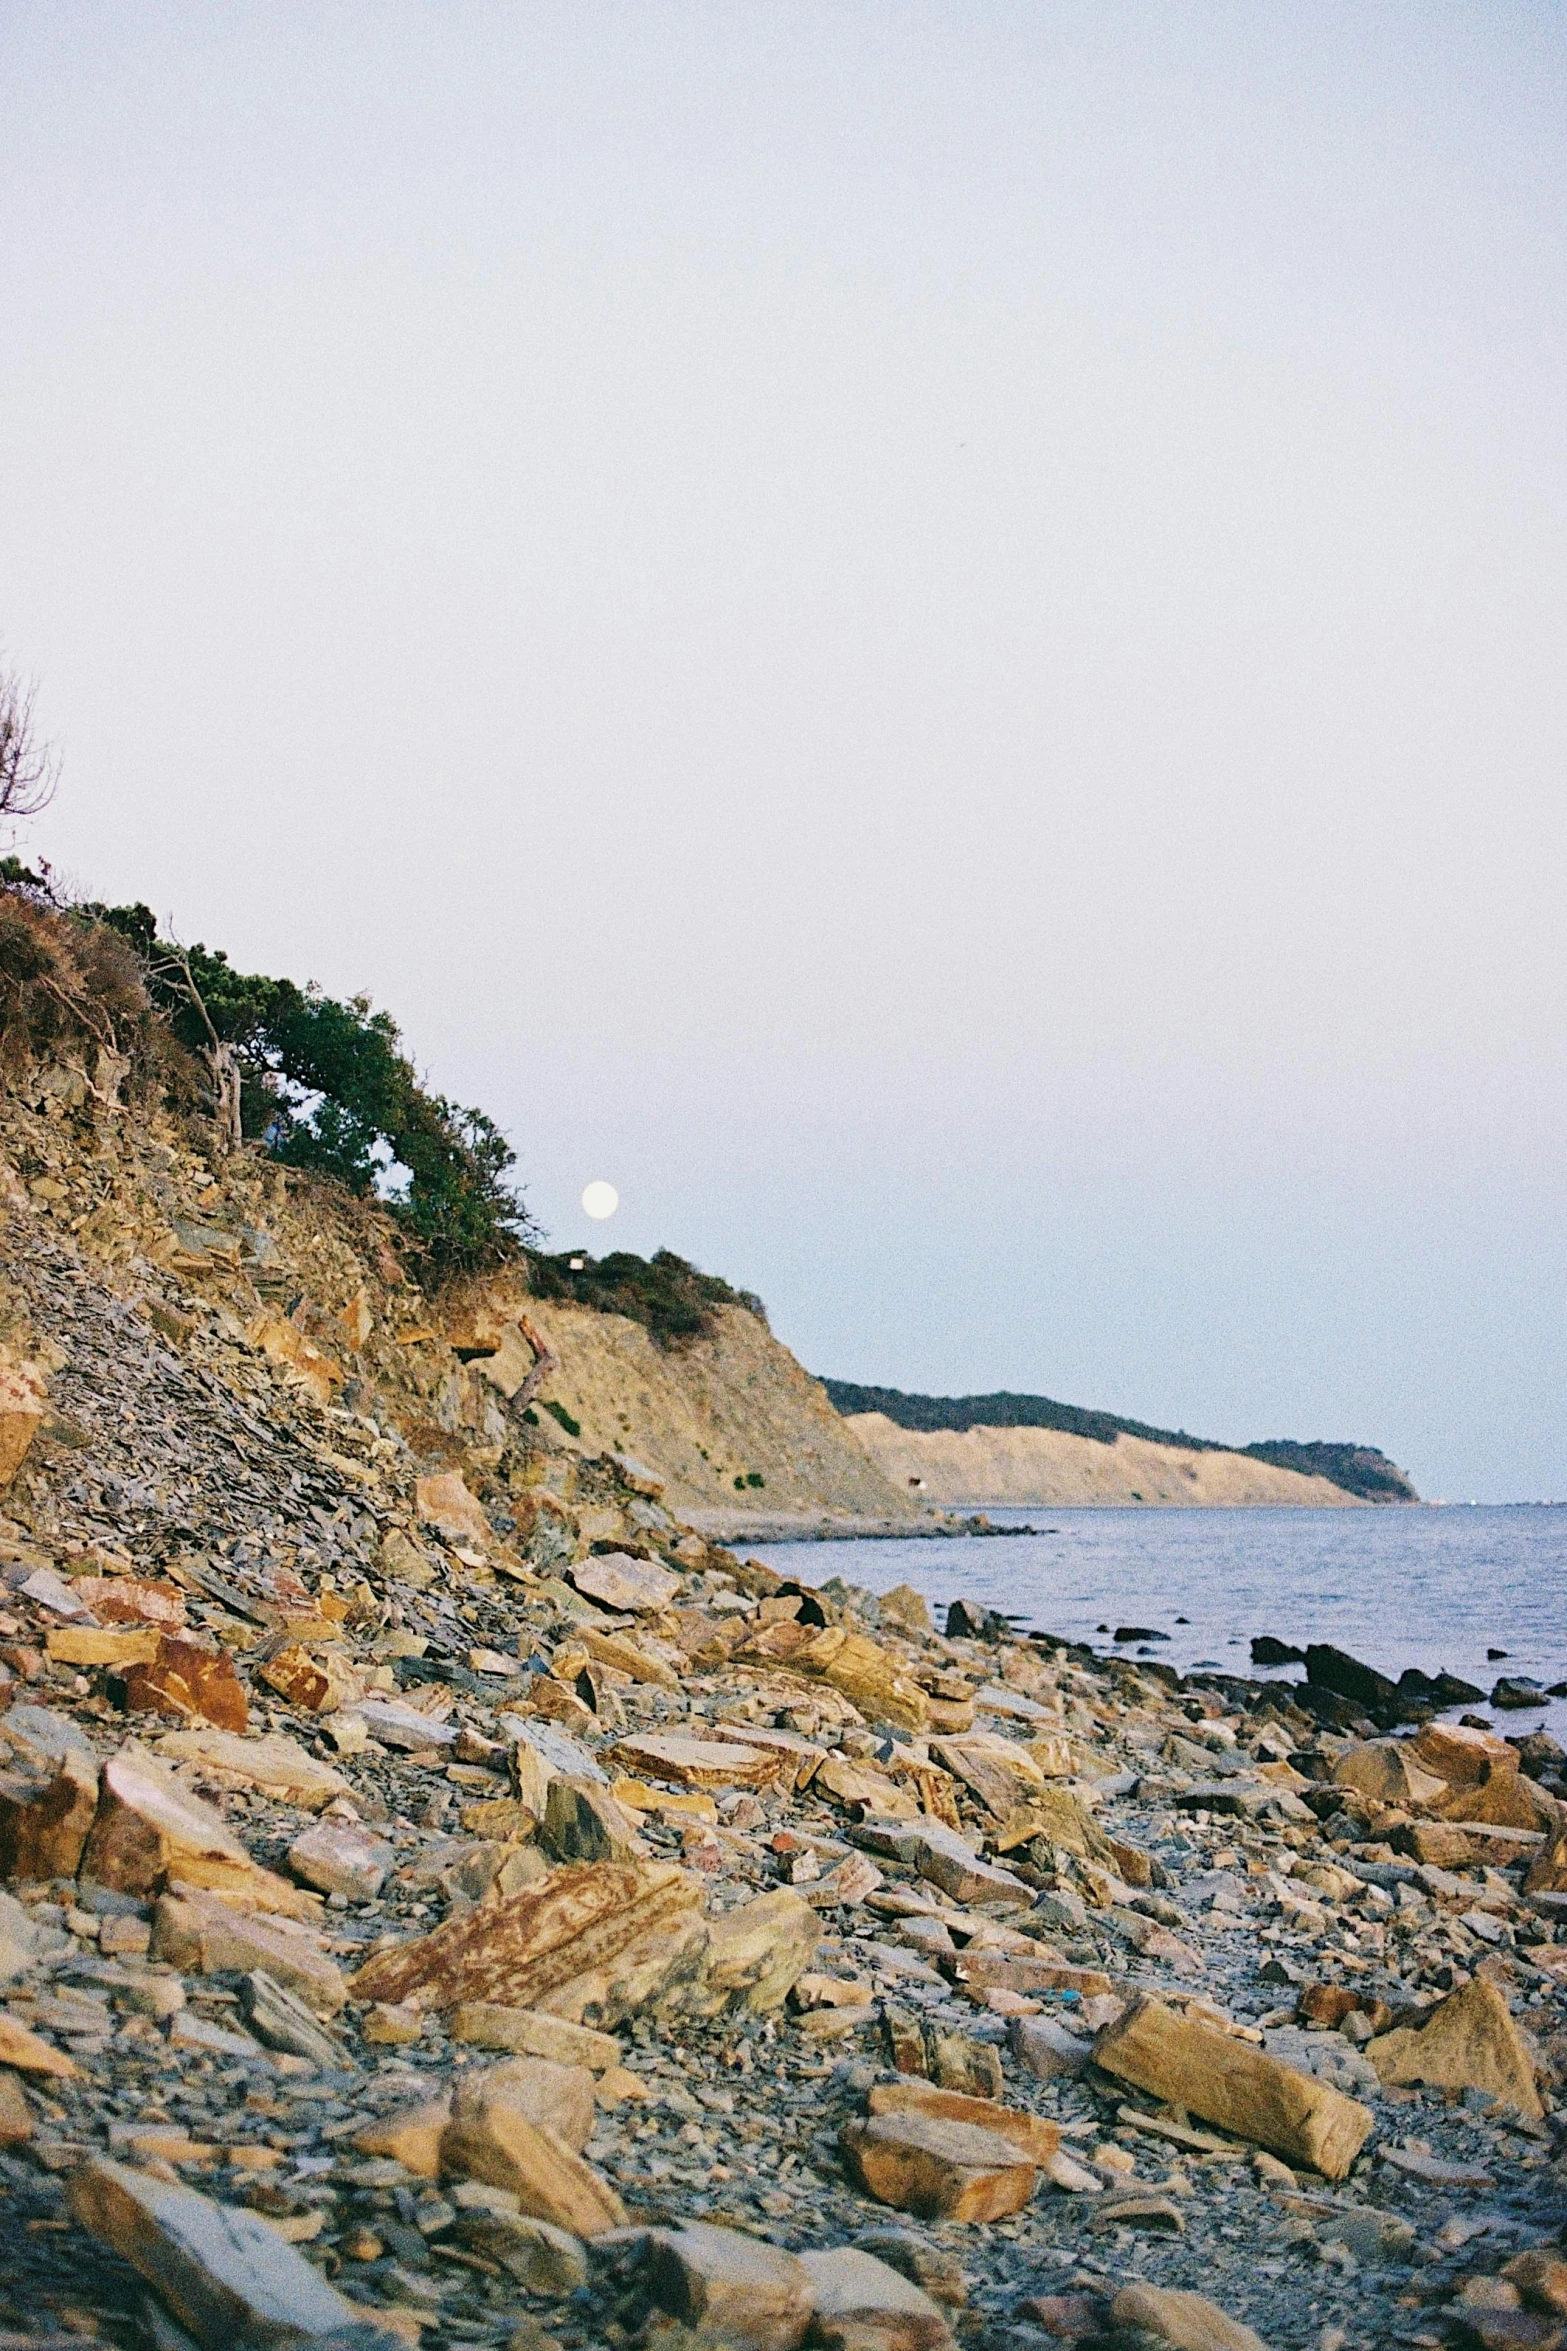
(600, 1200)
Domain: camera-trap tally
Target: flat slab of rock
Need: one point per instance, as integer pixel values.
(403, 1727)
(1032, 2134)
(732, 2286)
(695, 1763)
(148, 1830)
(29, 2054)
(227, 2277)
(1468, 2042)
(599, 1936)
(528, 2032)
(1047, 2049)
(938, 2170)
(189, 1681)
(1187, 2322)
(201, 1932)
(276, 1763)
(625, 1586)
(1235, 2085)
(514, 2128)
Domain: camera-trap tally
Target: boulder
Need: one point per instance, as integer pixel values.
(627, 1658)
(906, 1608)
(623, 1585)
(1232, 2083)
(201, 1932)
(936, 2169)
(1459, 1754)
(867, 1675)
(1185, 2321)
(339, 1857)
(148, 1830)
(493, 2135)
(597, 1938)
(410, 2136)
(1468, 2042)
(46, 1813)
(1031, 2134)
(188, 1681)
(863, 2305)
(228, 2276)
(1333, 1669)
(1387, 1772)
(735, 2289)
(756, 1953)
(1502, 1797)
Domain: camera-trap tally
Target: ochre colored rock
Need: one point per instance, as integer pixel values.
(736, 2289)
(1186, 2322)
(756, 1953)
(411, 2136)
(695, 1763)
(341, 1858)
(276, 1763)
(1468, 2042)
(937, 2170)
(1548, 1869)
(1234, 2084)
(185, 1680)
(1031, 2134)
(863, 2305)
(493, 2136)
(598, 1939)
(22, 1406)
(202, 1932)
(148, 1830)
(45, 1817)
(871, 1679)
(25, 2051)
(1386, 1770)
(1459, 1754)
(1502, 1797)
(282, 1342)
(445, 1503)
(117, 1646)
(529, 2033)
(124, 1599)
(631, 1587)
(317, 1682)
(557, 2097)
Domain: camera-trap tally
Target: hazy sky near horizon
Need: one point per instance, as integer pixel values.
(929, 635)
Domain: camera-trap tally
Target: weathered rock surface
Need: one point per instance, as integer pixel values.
(733, 2287)
(1187, 2322)
(1468, 2042)
(861, 2304)
(937, 2169)
(1231, 2083)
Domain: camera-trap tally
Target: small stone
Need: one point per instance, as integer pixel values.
(1469, 2041)
(1032, 2134)
(392, 2024)
(184, 1679)
(625, 1586)
(497, 2133)
(1047, 2049)
(16, 2116)
(543, 2259)
(528, 2032)
(583, 1822)
(201, 1932)
(280, 2019)
(410, 2137)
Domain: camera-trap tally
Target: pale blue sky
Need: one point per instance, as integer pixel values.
(932, 636)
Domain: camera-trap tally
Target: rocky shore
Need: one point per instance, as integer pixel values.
(449, 1899)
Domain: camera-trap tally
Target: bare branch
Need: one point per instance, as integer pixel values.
(29, 768)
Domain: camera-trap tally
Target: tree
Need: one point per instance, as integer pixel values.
(29, 768)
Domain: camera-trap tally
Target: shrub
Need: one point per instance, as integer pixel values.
(672, 1300)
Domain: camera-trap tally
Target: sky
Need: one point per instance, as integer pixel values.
(929, 636)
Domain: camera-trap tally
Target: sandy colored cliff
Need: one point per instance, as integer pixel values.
(973, 1468)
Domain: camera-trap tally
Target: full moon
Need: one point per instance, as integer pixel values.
(600, 1200)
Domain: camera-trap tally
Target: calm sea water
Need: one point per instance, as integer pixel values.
(1397, 1587)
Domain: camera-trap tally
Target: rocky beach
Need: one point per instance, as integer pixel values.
(450, 1900)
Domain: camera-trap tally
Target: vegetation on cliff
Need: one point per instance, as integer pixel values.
(673, 1300)
(1358, 1469)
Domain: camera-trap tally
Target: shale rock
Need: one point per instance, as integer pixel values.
(860, 2304)
(1468, 2042)
(938, 2170)
(732, 2287)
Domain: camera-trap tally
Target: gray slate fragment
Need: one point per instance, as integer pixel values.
(276, 2017)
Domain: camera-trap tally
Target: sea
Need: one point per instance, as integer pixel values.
(1479, 1591)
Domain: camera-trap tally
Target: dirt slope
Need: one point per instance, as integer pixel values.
(975, 1467)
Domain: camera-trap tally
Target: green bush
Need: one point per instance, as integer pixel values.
(671, 1299)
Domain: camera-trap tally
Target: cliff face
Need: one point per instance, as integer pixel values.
(263, 1279)
(967, 1468)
